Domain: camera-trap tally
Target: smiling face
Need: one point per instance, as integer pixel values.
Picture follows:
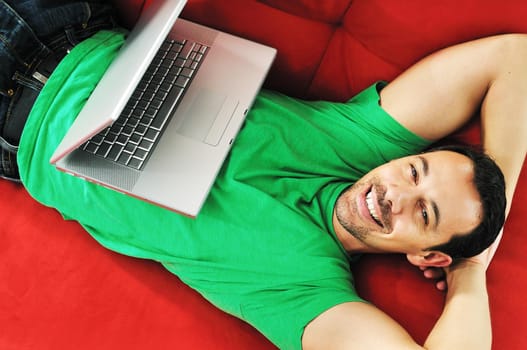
(409, 205)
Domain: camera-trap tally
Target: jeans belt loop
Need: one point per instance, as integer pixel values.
(48, 64)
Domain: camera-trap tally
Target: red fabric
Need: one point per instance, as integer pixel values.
(61, 290)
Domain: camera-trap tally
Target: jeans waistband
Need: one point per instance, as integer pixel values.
(30, 31)
(20, 111)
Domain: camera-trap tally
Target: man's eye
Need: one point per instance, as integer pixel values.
(414, 172)
(424, 213)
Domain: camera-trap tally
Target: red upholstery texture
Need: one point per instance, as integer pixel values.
(60, 290)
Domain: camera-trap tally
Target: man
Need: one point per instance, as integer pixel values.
(271, 246)
(432, 99)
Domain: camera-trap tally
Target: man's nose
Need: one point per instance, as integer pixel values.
(399, 198)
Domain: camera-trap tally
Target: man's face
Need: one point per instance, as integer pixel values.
(410, 204)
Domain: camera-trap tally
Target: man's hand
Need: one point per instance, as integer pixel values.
(438, 274)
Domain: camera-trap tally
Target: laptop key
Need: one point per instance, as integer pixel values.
(91, 147)
(187, 72)
(179, 62)
(135, 163)
(124, 158)
(151, 135)
(128, 130)
(141, 129)
(135, 138)
(114, 153)
(140, 153)
(121, 139)
(111, 137)
(97, 139)
(130, 148)
(182, 81)
(103, 149)
(158, 101)
(146, 145)
(158, 123)
(186, 50)
(149, 113)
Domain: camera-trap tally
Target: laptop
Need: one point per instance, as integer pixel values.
(202, 80)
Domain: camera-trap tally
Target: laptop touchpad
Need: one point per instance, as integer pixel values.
(207, 116)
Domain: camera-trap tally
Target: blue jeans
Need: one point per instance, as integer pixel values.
(34, 36)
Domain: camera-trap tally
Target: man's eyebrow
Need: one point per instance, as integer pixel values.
(436, 212)
(435, 208)
(424, 164)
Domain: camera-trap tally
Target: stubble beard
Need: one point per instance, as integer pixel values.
(344, 210)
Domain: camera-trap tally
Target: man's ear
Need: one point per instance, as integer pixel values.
(430, 259)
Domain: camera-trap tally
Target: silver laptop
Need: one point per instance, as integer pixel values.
(160, 123)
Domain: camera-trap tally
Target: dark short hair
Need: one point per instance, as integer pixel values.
(490, 184)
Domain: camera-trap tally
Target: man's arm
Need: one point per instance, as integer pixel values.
(443, 91)
(464, 323)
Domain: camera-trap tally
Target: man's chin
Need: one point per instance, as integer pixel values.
(343, 217)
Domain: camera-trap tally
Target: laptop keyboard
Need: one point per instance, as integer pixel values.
(132, 137)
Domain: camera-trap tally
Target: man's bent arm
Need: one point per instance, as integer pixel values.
(441, 93)
(464, 323)
(504, 112)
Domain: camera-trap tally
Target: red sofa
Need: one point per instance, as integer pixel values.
(60, 290)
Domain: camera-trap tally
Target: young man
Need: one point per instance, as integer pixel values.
(432, 99)
(273, 241)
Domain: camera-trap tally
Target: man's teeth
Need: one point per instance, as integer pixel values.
(371, 208)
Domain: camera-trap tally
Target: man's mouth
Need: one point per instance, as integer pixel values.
(371, 207)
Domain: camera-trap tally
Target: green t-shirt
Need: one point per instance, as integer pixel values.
(263, 247)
